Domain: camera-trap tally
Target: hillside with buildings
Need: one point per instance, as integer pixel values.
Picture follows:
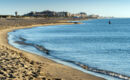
(48, 13)
(52, 14)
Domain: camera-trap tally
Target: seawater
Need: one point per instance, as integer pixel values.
(94, 43)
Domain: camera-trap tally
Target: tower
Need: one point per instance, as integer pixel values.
(16, 13)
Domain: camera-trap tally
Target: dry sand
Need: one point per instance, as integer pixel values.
(16, 64)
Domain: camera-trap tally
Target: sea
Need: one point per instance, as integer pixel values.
(95, 46)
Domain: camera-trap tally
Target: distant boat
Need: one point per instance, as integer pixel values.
(109, 22)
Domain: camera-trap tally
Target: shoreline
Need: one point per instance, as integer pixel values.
(86, 67)
(51, 67)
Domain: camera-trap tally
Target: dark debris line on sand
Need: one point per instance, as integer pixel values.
(38, 47)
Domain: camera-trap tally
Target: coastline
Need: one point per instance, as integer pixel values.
(50, 69)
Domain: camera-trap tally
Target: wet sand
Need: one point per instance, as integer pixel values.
(16, 64)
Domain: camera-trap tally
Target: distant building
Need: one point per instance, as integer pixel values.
(79, 15)
(83, 15)
(46, 13)
(30, 14)
(93, 16)
(63, 14)
(6, 16)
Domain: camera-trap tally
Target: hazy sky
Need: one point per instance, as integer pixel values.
(117, 8)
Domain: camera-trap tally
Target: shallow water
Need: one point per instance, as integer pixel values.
(95, 43)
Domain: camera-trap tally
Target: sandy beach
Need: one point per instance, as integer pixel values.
(16, 64)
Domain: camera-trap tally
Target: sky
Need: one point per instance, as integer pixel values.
(116, 8)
